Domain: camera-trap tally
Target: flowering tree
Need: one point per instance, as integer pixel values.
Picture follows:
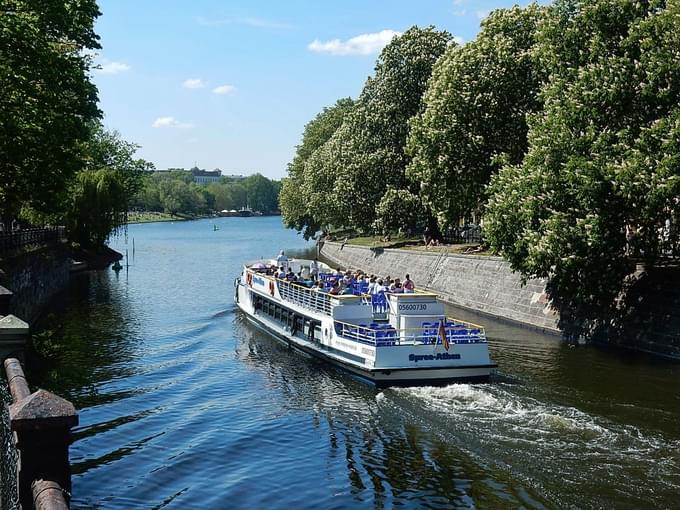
(304, 180)
(367, 153)
(603, 159)
(475, 113)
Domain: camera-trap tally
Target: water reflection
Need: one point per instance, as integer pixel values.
(390, 458)
(183, 404)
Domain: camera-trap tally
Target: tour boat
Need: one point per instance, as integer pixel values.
(388, 339)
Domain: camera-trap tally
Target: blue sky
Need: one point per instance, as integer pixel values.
(231, 84)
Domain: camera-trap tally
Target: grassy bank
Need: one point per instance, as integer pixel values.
(414, 243)
(149, 217)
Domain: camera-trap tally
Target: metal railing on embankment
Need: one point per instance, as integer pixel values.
(24, 238)
(41, 423)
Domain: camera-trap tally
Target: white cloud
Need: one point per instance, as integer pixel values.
(224, 89)
(108, 67)
(458, 39)
(458, 2)
(459, 13)
(364, 44)
(483, 13)
(194, 83)
(171, 122)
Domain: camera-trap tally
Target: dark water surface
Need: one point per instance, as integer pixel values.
(183, 404)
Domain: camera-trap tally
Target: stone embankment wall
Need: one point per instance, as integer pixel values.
(653, 325)
(34, 278)
(479, 283)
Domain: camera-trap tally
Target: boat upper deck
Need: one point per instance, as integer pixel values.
(404, 318)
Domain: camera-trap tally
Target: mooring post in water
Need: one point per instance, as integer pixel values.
(42, 425)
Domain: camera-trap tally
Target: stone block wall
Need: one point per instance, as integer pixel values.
(34, 278)
(483, 284)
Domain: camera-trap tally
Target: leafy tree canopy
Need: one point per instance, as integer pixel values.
(602, 174)
(367, 153)
(475, 113)
(47, 100)
(302, 181)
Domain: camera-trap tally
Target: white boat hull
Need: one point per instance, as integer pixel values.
(385, 365)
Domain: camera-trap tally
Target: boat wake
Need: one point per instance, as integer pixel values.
(556, 443)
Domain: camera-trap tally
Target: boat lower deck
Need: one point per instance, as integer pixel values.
(380, 377)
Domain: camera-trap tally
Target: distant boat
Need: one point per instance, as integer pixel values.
(215, 228)
(245, 212)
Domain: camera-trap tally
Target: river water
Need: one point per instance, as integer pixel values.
(183, 404)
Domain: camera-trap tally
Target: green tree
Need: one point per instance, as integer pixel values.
(398, 211)
(475, 113)
(368, 150)
(262, 195)
(301, 182)
(603, 157)
(46, 99)
(100, 194)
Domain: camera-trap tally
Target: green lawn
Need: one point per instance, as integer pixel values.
(148, 217)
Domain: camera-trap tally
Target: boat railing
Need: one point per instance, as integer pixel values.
(305, 297)
(430, 333)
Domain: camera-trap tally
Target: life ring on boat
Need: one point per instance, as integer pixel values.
(271, 287)
(249, 279)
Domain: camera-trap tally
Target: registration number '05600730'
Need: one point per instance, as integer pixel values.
(413, 306)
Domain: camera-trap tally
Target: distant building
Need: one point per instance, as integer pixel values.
(206, 176)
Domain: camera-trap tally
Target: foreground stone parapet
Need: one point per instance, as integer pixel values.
(42, 410)
(42, 425)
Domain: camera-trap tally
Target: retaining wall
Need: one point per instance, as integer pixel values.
(34, 278)
(480, 283)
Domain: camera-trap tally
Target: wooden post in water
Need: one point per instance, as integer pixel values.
(42, 425)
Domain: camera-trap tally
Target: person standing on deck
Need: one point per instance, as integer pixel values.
(409, 286)
(314, 269)
(282, 260)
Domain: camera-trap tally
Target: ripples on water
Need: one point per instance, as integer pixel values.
(184, 404)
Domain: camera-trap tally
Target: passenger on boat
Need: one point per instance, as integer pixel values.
(290, 276)
(314, 269)
(409, 286)
(335, 290)
(318, 287)
(282, 260)
(380, 287)
(281, 274)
